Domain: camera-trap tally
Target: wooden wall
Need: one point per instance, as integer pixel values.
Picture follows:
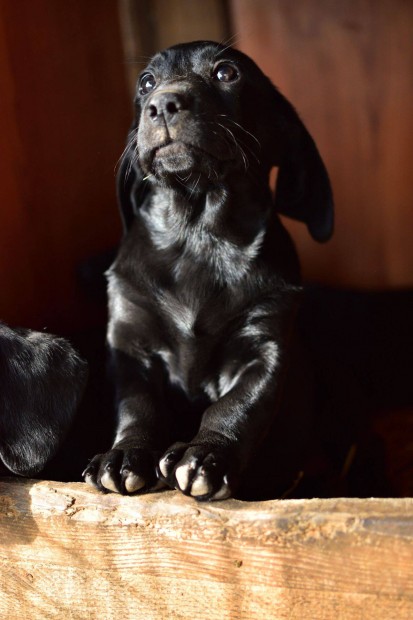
(65, 68)
(348, 67)
(63, 120)
(151, 25)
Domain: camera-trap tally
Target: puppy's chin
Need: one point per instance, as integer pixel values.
(178, 164)
(174, 158)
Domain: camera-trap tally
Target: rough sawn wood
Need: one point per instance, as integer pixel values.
(67, 551)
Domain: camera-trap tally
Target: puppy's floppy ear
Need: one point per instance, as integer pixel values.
(42, 380)
(303, 189)
(131, 186)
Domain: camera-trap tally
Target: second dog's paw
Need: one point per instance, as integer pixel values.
(124, 471)
(201, 471)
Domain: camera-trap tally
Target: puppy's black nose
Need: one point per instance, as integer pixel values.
(165, 106)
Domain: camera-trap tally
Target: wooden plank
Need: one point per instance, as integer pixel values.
(69, 552)
(184, 20)
(347, 68)
(151, 25)
(64, 114)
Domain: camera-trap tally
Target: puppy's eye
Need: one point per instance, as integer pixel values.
(146, 84)
(225, 72)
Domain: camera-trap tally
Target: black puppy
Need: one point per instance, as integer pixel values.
(203, 292)
(41, 382)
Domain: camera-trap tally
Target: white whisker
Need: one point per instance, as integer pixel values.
(128, 147)
(227, 43)
(237, 146)
(231, 120)
(195, 186)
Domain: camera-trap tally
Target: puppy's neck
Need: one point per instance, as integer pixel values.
(230, 212)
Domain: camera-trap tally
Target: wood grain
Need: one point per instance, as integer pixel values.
(70, 552)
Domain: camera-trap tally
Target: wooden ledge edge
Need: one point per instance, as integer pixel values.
(81, 502)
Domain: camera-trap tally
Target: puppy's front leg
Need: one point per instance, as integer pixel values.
(210, 465)
(141, 437)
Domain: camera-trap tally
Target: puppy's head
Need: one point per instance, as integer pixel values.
(205, 112)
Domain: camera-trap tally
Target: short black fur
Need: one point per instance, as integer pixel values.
(204, 290)
(42, 379)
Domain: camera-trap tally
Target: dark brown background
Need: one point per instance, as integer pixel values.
(67, 69)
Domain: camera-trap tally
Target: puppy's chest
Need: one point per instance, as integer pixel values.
(198, 250)
(190, 293)
(193, 311)
(197, 286)
(192, 327)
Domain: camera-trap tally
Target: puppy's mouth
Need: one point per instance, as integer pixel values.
(177, 157)
(174, 157)
(176, 161)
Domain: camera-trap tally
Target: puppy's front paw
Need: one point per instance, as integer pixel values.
(124, 471)
(201, 471)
